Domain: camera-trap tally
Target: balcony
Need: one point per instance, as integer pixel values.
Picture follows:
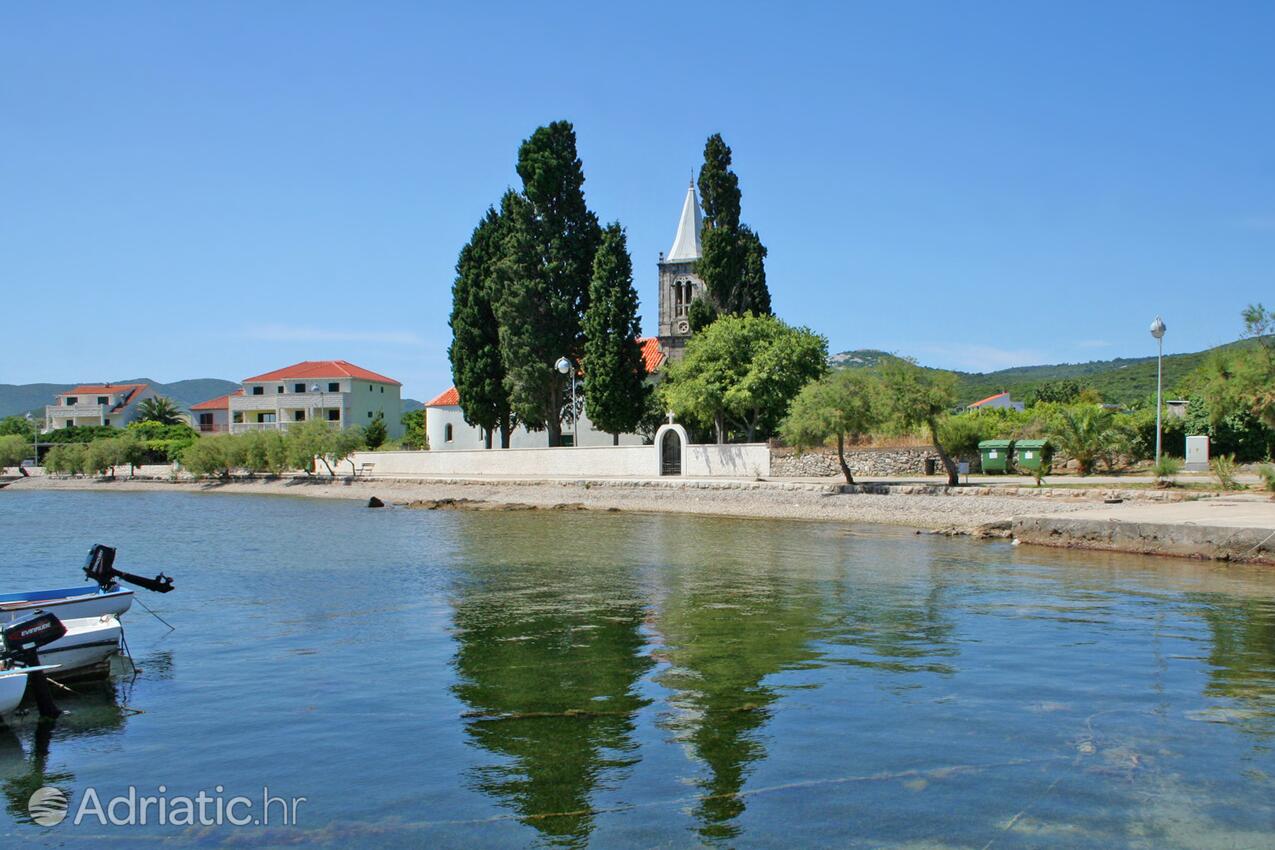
(287, 401)
(75, 411)
(244, 427)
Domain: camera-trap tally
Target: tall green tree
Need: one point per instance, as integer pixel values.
(615, 387)
(919, 397)
(844, 404)
(477, 366)
(1244, 379)
(732, 261)
(550, 239)
(741, 373)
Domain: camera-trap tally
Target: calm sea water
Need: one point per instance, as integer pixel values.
(462, 679)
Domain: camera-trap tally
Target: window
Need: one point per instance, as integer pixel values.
(258, 390)
(298, 388)
(382, 389)
(369, 414)
(334, 387)
(447, 432)
(205, 419)
(279, 389)
(71, 401)
(103, 399)
(106, 422)
(298, 416)
(334, 416)
(266, 417)
(237, 417)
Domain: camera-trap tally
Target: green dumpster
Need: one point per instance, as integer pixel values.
(996, 455)
(1033, 454)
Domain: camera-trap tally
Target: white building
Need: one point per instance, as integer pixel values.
(334, 391)
(447, 429)
(96, 404)
(1000, 401)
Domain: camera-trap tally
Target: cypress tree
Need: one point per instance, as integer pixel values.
(546, 269)
(615, 387)
(732, 261)
(477, 367)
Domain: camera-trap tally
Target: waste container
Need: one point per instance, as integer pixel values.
(1033, 454)
(996, 455)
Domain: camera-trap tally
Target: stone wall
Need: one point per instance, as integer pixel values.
(871, 462)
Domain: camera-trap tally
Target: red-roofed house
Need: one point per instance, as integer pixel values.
(447, 429)
(97, 404)
(1000, 401)
(335, 391)
(213, 416)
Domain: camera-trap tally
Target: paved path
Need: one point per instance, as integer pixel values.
(1227, 528)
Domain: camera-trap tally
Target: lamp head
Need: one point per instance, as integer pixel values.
(563, 365)
(1158, 328)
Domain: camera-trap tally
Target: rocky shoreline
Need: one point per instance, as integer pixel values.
(975, 512)
(1172, 523)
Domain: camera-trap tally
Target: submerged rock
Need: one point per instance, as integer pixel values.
(375, 503)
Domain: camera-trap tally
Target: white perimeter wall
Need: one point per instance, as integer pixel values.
(730, 461)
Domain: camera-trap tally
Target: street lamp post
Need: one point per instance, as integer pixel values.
(35, 438)
(564, 366)
(315, 388)
(1157, 330)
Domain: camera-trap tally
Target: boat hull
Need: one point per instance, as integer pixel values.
(12, 686)
(85, 650)
(67, 603)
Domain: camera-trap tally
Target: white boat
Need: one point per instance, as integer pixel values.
(66, 603)
(13, 685)
(86, 648)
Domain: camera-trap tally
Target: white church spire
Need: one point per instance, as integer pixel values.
(686, 243)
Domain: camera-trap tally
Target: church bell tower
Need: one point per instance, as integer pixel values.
(679, 285)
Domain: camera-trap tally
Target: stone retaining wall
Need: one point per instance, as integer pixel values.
(785, 462)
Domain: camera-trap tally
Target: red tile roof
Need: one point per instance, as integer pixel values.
(218, 403)
(447, 398)
(128, 390)
(322, 369)
(989, 398)
(652, 354)
(652, 358)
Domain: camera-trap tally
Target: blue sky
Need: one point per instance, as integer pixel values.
(215, 190)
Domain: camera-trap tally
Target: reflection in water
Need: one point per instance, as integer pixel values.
(92, 710)
(1242, 658)
(724, 632)
(547, 661)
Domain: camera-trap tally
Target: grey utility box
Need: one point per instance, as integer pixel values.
(1197, 454)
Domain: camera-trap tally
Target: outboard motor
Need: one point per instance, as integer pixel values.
(100, 567)
(21, 642)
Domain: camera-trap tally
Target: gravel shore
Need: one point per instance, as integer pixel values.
(762, 499)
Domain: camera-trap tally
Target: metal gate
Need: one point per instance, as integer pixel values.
(671, 453)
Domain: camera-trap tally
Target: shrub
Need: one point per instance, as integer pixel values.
(1267, 471)
(14, 448)
(1224, 468)
(65, 459)
(1165, 469)
(208, 456)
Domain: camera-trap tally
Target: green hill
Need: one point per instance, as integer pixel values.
(1124, 380)
(16, 399)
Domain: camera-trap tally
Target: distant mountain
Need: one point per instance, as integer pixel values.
(1124, 380)
(17, 399)
(410, 404)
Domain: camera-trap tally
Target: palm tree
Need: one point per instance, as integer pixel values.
(1084, 432)
(158, 409)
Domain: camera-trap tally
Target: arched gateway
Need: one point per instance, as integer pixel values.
(670, 441)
